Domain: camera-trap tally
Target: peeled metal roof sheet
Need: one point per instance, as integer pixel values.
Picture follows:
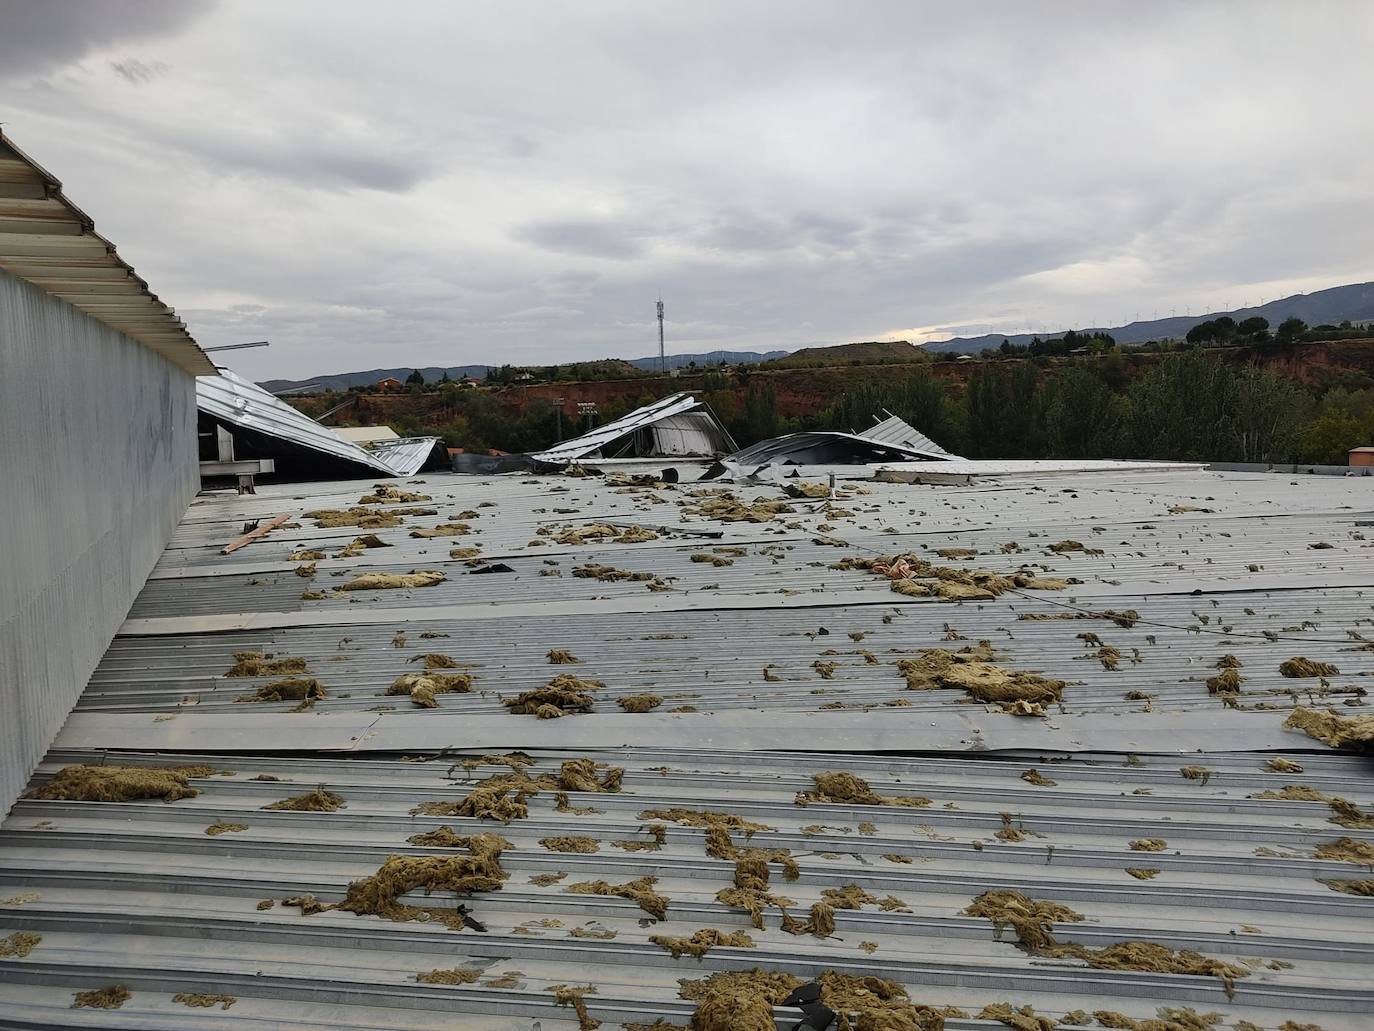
(48, 241)
(675, 405)
(894, 430)
(798, 448)
(238, 402)
(138, 893)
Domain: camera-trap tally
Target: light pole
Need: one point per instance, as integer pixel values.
(238, 347)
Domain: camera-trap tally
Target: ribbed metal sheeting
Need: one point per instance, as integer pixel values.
(234, 400)
(138, 894)
(50, 242)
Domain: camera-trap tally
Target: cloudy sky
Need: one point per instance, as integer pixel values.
(436, 183)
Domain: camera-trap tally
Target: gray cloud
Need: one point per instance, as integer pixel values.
(516, 181)
(593, 239)
(40, 34)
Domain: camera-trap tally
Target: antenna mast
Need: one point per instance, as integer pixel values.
(662, 360)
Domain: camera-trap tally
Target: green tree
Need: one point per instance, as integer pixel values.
(1184, 408)
(1269, 413)
(1290, 329)
(1082, 416)
(1327, 440)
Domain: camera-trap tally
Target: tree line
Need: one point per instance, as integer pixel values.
(1187, 405)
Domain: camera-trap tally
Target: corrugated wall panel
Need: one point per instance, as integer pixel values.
(98, 459)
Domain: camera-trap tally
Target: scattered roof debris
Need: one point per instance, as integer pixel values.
(845, 788)
(111, 997)
(1298, 667)
(639, 890)
(121, 783)
(389, 581)
(563, 694)
(19, 944)
(702, 942)
(317, 801)
(256, 664)
(204, 1001)
(423, 687)
(1332, 728)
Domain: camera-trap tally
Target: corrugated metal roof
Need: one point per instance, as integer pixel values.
(48, 241)
(681, 425)
(137, 893)
(238, 402)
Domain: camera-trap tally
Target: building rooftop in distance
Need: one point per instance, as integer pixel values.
(808, 689)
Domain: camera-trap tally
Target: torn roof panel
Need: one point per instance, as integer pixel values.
(237, 402)
(831, 447)
(679, 425)
(895, 430)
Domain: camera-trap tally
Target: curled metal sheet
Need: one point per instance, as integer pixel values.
(677, 425)
(232, 399)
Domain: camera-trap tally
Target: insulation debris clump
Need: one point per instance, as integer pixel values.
(394, 581)
(257, 664)
(742, 1000)
(1300, 668)
(111, 997)
(598, 532)
(386, 494)
(504, 797)
(639, 891)
(289, 689)
(443, 530)
(121, 783)
(19, 944)
(971, 670)
(702, 942)
(359, 516)
(571, 844)
(204, 1001)
(358, 545)
(845, 788)
(1033, 922)
(317, 801)
(379, 894)
(727, 508)
(1333, 729)
(423, 687)
(563, 694)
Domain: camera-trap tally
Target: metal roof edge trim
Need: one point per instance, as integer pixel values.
(157, 328)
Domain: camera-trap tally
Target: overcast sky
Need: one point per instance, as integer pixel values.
(437, 183)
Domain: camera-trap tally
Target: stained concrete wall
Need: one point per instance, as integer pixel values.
(97, 463)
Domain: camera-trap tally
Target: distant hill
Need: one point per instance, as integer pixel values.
(1354, 302)
(681, 361)
(867, 352)
(344, 380)
(432, 373)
